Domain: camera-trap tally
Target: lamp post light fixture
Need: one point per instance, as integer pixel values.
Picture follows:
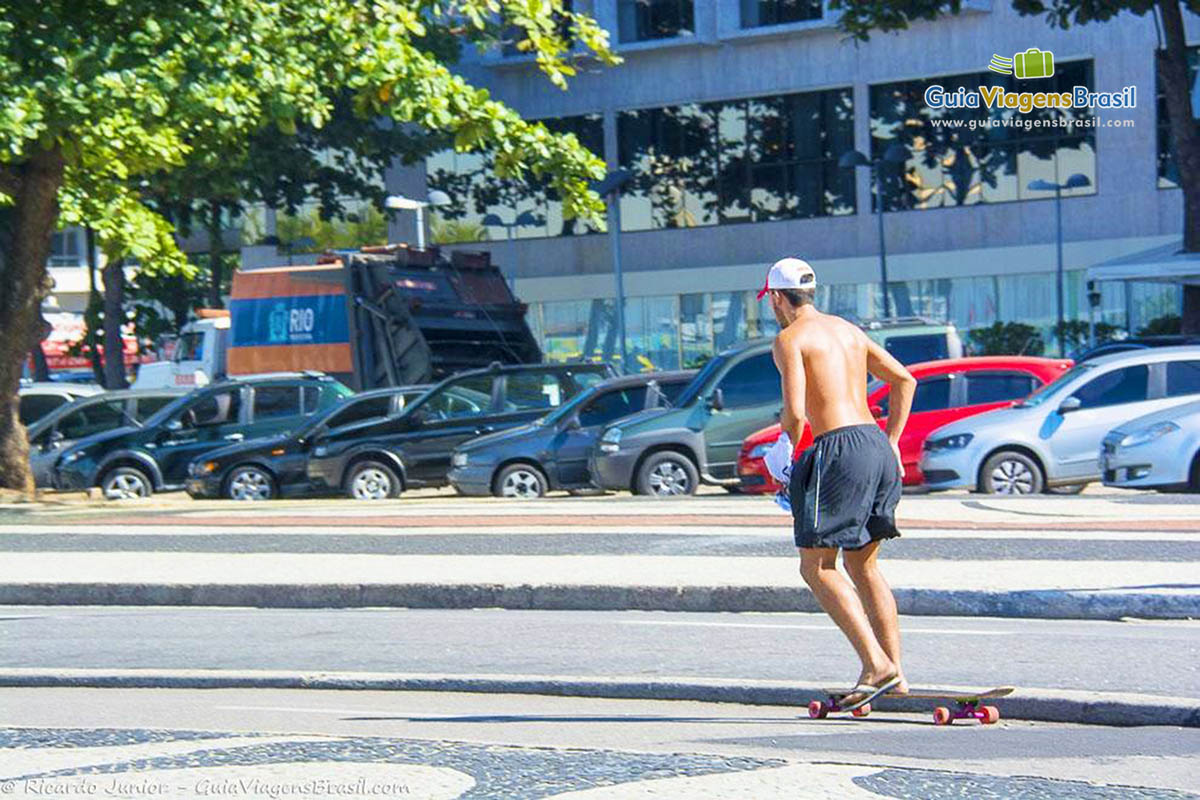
(526, 219)
(895, 154)
(610, 189)
(1076, 181)
(398, 202)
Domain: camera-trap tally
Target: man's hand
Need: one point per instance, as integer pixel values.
(899, 460)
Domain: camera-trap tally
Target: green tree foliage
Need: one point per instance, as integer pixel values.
(1077, 333)
(1007, 339)
(97, 95)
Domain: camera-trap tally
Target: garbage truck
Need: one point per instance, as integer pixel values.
(378, 316)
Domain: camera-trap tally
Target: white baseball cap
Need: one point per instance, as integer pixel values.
(789, 273)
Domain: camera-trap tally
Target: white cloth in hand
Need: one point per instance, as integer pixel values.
(779, 457)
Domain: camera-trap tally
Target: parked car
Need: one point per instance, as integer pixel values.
(85, 416)
(1051, 438)
(666, 452)
(1136, 343)
(39, 399)
(551, 453)
(947, 390)
(380, 459)
(914, 340)
(263, 469)
(137, 461)
(1158, 451)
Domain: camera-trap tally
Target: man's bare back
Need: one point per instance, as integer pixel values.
(833, 354)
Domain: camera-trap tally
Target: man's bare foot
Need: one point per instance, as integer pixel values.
(901, 687)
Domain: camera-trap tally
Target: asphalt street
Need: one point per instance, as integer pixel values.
(1145, 657)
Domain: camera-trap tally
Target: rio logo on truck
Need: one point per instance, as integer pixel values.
(288, 319)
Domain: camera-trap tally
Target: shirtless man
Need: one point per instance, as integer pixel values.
(844, 489)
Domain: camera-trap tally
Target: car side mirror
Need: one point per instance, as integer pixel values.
(877, 412)
(55, 437)
(174, 426)
(716, 400)
(573, 424)
(1069, 405)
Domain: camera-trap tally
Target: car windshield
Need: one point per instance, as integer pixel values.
(688, 395)
(568, 407)
(1042, 393)
(167, 411)
(318, 419)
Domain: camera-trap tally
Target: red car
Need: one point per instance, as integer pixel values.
(946, 391)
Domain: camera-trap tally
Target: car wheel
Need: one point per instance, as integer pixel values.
(250, 483)
(520, 481)
(1071, 488)
(667, 474)
(1194, 475)
(124, 483)
(1010, 472)
(372, 480)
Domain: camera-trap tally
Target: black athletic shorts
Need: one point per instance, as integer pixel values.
(845, 488)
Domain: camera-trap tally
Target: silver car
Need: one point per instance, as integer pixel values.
(1158, 451)
(1049, 441)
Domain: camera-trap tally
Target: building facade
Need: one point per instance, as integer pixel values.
(733, 117)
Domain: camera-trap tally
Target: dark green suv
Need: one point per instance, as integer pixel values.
(669, 451)
(135, 462)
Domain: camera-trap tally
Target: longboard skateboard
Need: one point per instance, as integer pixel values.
(967, 705)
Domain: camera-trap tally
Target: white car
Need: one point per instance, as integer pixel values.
(1158, 451)
(1050, 440)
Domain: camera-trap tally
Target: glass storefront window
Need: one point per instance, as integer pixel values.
(758, 13)
(754, 160)
(991, 162)
(476, 191)
(652, 333)
(645, 20)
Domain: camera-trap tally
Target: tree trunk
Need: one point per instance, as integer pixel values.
(1185, 139)
(24, 283)
(41, 371)
(93, 309)
(114, 318)
(215, 247)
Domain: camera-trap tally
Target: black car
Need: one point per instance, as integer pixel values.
(85, 416)
(552, 452)
(380, 459)
(264, 469)
(135, 462)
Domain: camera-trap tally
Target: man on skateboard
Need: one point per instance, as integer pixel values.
(844, 489)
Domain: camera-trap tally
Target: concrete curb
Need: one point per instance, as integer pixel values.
(1036, 604)
(1042, 705)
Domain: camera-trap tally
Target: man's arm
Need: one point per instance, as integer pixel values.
(883, 365)
(790, 364)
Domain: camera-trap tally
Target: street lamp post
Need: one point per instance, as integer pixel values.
(610, 189)
(400, 202)
(1076, 181)
(896, 153)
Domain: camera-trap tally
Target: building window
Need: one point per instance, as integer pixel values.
(67, 249)
(645, 20)
(1168, 170)
(760, 13)
(514, 35)
(476, 191)
(973, 155)
(766, 158)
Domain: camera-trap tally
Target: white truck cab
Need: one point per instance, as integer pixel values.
(197, 360)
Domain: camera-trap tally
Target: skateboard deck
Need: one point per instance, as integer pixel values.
(967, 704)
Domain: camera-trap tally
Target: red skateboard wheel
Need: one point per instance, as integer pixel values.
(816, 709)
(941, 716)
(991, 715)
(862, 711)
